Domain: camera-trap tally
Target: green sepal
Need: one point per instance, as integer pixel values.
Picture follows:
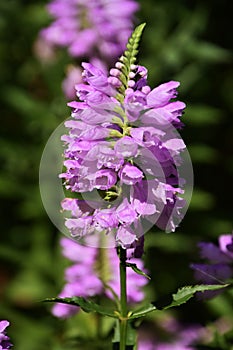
(137, 270)
(85, 305)
(115, 133)
(118, 121)
(182, 296)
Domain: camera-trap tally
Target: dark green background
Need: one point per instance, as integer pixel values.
(188, 41)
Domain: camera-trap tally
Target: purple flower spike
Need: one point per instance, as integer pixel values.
(123, 151)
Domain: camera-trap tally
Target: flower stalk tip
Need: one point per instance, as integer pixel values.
(126, 66)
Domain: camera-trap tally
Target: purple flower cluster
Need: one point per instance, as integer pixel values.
(93, 28)
(4, 339)
(219, 266)
(93, 271)
(122, 154)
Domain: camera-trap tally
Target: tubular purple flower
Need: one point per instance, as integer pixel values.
(107, 157)
(105, 179)
(130, 174)
(79, 227)
(126, 213)
(126, 147)
(146, 136)
(125, 237)
(106, 218)
(161, 95)
(141, 200)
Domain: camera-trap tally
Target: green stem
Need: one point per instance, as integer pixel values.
(99, 325)
(123, 300)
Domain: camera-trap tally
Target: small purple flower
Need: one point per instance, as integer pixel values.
(161, 95)
(125, 237)
(146, 136)
(4, 339)
(130, 174)
(91, 270)
(141, 200)
(126, 213)
(106, 156)
(106, 218)
(218, 267)
(126, 147)
(105, 179)
(79, 227)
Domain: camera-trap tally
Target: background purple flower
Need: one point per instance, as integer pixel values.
(94, 28)
(4, 339)
(218, 267)
(91, 270)
(175, 336)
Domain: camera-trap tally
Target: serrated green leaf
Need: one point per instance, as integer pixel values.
(137, 270)
(182, 296)
(85, 304)
(187, 292)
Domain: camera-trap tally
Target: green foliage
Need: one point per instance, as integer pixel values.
(182, 296)
(84, 304)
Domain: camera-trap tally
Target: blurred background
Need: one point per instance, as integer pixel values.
(189, 41)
